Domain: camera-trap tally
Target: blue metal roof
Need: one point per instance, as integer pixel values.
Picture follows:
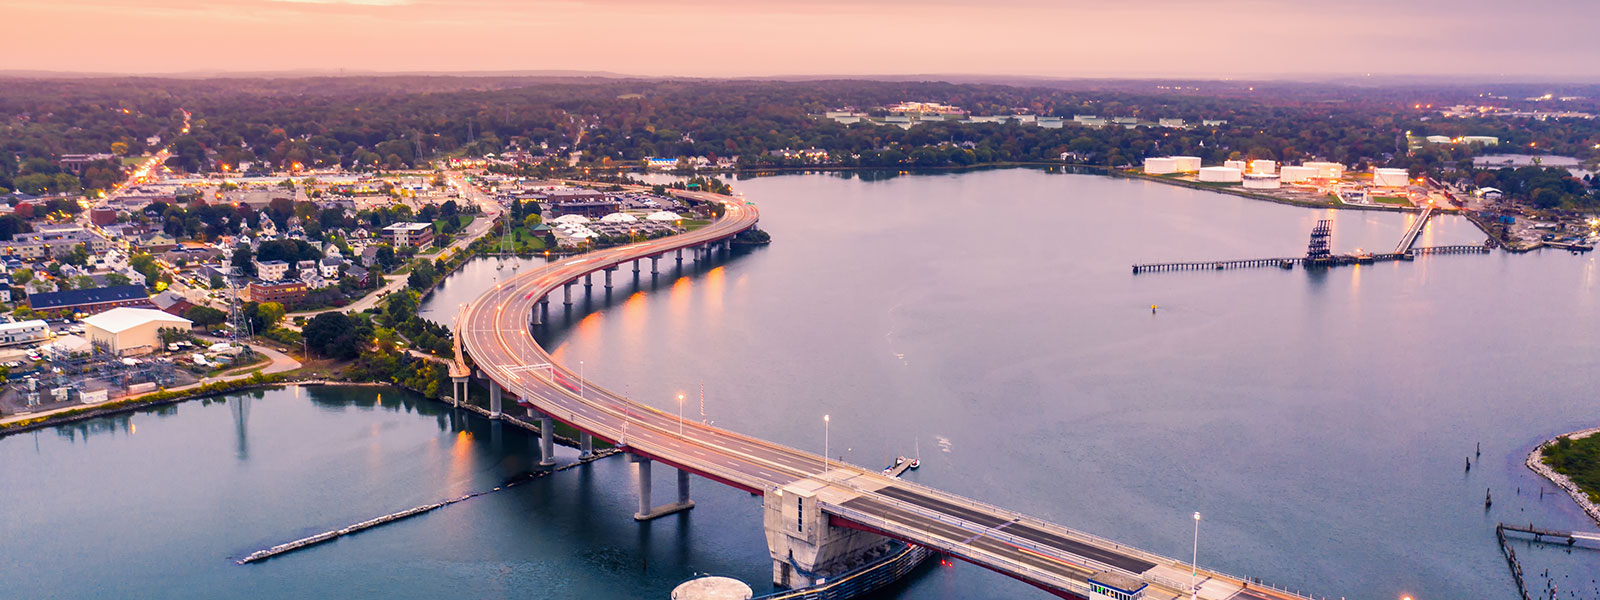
(55, 300)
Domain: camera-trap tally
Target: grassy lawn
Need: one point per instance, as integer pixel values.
(1218, 184)
(691, 225)
(438, 224)
(1391, 200)
(1578, 459)
(132, 161)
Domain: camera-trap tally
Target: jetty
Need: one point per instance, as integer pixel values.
(328, 536)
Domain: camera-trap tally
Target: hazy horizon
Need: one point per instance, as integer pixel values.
(1243, 39)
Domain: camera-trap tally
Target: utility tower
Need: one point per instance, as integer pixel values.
(236, 318)
(1317, 251)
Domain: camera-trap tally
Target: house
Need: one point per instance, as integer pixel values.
(92, 300)
(362, 276)
(305, 265)
(330, 267)
(172, 303)
(369, 256)
(313, 279)
(156, 242)
(417, 235)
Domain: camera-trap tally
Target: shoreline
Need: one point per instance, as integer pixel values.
(1535, 462)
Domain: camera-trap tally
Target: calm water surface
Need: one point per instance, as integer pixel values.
(1319, 420)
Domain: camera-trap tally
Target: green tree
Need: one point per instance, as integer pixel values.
(205, 316)
(271, 314)
(332, 334)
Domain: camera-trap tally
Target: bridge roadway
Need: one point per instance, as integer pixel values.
(494, 330)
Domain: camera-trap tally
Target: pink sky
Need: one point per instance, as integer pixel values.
(1218, 38)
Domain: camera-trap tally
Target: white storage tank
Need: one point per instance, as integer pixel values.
(1261, 181)
(1236, 164)
(1221, 174)
(1187, 164)
(1160, 166)
(1264, 167)
(1391, 177)
(1292, 174)
(1327, 170)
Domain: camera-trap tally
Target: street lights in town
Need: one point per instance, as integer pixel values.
(1194, 558)
(580, 379)
(680, 415)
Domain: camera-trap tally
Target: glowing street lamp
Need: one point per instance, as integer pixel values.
(1194, 570)
(825, 423)
(680, 415)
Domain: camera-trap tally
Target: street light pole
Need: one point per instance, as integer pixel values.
(825, 422)
(580, 379)
(680, 415)
(1194, 559)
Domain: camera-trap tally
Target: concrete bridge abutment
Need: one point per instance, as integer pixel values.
(804, 545)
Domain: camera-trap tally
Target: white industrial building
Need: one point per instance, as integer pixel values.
(1391, 177)
(1160, 166)
(1293, 174)
(1187, 164)
(1327, 170)
(1236, 164)
(1261, 181)
(1221, 174)
(1264, 167)
(131, 330)
(23, 332)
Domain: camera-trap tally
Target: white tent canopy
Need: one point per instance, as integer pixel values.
(664, 215)
(618, 218)
(570, 220)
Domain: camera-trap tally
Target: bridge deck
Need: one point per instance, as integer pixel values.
(494, 333)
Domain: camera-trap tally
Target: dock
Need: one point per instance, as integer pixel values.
(901, 465)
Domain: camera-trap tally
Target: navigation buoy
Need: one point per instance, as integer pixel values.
(1152, 309)
(1469, 464)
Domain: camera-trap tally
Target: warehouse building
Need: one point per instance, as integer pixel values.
(1391, 177)
(131, 330)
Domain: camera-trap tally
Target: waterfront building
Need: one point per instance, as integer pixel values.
(92, 300)
(131, 330)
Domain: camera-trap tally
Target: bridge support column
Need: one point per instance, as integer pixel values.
(459, 393)
(636, 266)
(566, 291)
(585, 445)
(648, 512)
(653, 269)
(680, 256)
(535, 319)
(804, 546)
(608, 277)
(588, 281)
(494, 399)
(547, 441)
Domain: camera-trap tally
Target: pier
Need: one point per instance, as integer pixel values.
(1317, 254)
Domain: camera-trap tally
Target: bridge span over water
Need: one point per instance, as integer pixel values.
(820, 517)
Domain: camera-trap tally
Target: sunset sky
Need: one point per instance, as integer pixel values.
(1219, 38)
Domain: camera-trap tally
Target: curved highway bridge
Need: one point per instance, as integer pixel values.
(819, 518)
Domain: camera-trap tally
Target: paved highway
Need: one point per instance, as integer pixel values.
(494, 332)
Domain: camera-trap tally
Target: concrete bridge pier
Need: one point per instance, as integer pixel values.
(804, 545)
(459, 389)
(494, 399)
(636, 266)
(585, 445)
(680, 256)
(653, 269)
(588, 281)
(547, 441)
(566, 292)
(608, 276)
(535, 319)
(647, 512)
